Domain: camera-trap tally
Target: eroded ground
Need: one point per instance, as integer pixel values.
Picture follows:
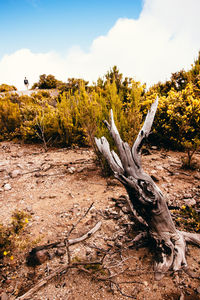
(56, 188)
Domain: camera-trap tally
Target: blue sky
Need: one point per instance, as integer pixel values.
(45, 25)
(146, 39)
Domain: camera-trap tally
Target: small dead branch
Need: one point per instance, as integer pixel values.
(43, 282)
(81, 218)
(79, 162)
(63, 269)
(31, 259)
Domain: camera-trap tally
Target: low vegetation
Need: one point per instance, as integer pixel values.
(75, 116)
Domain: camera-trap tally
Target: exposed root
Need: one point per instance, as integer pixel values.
(192, 238)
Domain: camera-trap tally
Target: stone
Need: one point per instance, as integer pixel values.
(41, 256)
(159, 168)
(190, 202)
(145, 283)
(187, 196)
(71, 170)
(7, 187)
(15, 173)
(125, 210)
(60, 252)
(198, 290)
(197, 176)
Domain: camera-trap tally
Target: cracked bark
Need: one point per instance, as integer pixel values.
(146, 197)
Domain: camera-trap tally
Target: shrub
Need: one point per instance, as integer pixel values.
(46, 82)
(10, 118)
(177, 118)
(11, 235)
(7, 88)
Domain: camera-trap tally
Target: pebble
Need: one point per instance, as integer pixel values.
(159, 168)
(7, 187)
(60, 252)
(41, 256)
(198, 290)
(190, 202)
(15, 173)
(125, 210)
(71, 170)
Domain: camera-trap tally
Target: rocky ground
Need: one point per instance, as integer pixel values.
(56, 188)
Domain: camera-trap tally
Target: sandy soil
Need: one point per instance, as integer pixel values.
(56, 188)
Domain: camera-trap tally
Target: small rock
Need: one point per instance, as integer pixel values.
(37, 257)
(7, 187)
(71, 195)
(159, 168)
(125, 210)
(187, 196)
(4, 296)
(198, 290)
(37, 174)
(190, 202)
(15, 173)
(154, 147)
(197, 176)
(79, 170)
(46, 167)
(60, 252)
(145, 283)
(29, 208)
(71, 170)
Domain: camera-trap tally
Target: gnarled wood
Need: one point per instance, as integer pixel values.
(146, 197)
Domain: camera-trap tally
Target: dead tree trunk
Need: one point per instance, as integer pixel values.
(146, 197)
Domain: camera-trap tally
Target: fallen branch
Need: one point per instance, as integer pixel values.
(64, 268)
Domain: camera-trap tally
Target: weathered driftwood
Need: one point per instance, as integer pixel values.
(146, 197)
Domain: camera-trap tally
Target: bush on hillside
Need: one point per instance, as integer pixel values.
(7, 88)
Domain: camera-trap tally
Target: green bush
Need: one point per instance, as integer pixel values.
(10, 119)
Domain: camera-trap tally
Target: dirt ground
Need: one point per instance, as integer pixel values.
(56, 188)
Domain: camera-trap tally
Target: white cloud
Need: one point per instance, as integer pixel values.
(163, 40)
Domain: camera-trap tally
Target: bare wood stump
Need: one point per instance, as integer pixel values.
(146, 197)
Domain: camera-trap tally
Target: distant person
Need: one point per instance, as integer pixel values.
(26, 83)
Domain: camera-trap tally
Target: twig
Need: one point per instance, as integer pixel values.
(43, 282)
(63, 269)
(85, 236)
(67, 242)
(83, 216)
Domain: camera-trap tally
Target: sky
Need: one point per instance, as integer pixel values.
(146, 39)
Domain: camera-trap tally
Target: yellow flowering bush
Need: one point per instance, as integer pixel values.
(177, 119)
(11, 234)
